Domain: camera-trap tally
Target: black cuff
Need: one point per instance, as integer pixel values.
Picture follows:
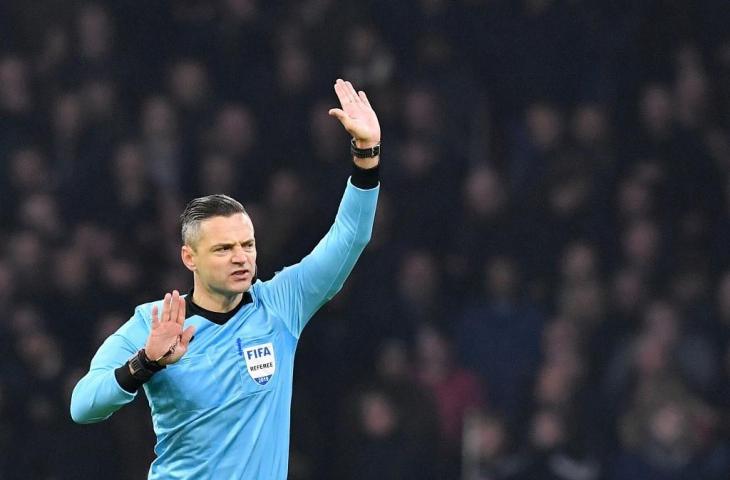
(126, 380)
(365, 178)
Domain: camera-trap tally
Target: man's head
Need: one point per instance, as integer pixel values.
(218, 244)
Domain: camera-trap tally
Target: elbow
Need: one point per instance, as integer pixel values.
(78, 412)
(80, 409)
(78, 416)
(363, 239)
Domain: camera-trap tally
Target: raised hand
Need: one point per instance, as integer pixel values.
(168, 342)
(356, 115)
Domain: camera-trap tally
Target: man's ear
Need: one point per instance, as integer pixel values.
(187, 254)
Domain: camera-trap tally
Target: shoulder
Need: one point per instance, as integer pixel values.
(264, 288)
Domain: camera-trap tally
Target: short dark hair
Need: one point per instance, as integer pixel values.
(199, 209)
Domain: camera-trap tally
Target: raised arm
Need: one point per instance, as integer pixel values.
(300, 290)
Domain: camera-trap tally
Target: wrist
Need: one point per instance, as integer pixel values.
(148, 363)
(141, 367)
(365, 153)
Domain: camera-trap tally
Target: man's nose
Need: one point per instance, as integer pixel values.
(238, 256)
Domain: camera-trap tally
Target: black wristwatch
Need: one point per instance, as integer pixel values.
(371, 152)
(141, 367)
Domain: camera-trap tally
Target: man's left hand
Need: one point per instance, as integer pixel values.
(356, 115)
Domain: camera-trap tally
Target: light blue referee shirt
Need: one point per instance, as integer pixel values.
(222, 411)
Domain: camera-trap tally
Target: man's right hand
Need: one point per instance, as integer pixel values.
(168, 342)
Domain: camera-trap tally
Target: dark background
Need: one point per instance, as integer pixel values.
(547, 291)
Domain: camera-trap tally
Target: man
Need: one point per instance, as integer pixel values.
(220, 404)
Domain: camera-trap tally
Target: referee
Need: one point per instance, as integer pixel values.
(220, 404)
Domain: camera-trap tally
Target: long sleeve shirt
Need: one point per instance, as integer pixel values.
(223, 410)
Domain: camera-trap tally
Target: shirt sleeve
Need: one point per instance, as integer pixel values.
(98, 394)
(298, 291)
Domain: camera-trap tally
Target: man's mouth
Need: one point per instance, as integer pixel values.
(240, 274)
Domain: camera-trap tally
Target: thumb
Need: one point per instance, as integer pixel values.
(339, 114)
(187, 335)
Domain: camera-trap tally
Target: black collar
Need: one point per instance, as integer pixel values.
(216, 317)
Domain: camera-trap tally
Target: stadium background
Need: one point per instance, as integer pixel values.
(550, 263)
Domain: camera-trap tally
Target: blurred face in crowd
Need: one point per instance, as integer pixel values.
(502, 278)
(547, 431)
(641, 243)
(418, 278)
(99, 97)
(66, 116)
(579, 262)
(656, 109)
(432, 350)
(217, 173)
(14, 92)
(421, 111)
(377, 415)
(669, 426)
(40, 212)
(590, 124)
(158, 118)
(189, 83)
(662, 321)
(635, 198)
(544, 125)
(392, 361)
(484, 193)
(223, 254)
(71, 271)
(94, 31)
(294, 69)
(492, 438)
(28, 170)
(235, 130)
(628, 290)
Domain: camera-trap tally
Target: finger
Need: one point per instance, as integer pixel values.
(351, 93)
(166, 308)
(181, 311)
(174, 305)
(187, 335)
(155, 316)
(364, 98)
(338, 114)
(341, 93)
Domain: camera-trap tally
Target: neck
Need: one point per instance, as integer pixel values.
(214, 301)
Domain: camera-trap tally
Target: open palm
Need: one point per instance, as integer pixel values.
(356, 115)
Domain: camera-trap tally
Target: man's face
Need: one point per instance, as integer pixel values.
(224, 254)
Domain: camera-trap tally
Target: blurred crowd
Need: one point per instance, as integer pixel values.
(547, 292)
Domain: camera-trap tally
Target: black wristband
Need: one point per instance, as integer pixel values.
(126, 380)
(144, 370)
(365, 178)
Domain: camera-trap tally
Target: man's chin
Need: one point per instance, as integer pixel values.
(239, 286)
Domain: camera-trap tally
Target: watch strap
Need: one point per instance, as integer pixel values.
(371, 152)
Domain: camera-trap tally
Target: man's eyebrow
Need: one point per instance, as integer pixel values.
(230, 244)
